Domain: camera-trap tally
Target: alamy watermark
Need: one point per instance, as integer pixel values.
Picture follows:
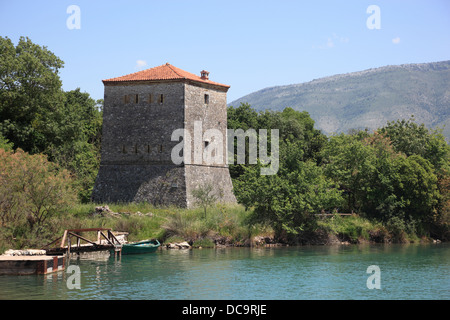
(374, 20)
(74, 280)
(374, 280)
(207, 147)
(74, 20)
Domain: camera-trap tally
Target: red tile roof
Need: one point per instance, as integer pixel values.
(164, 72)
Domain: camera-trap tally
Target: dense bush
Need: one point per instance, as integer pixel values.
(397, 175)
(32, 191)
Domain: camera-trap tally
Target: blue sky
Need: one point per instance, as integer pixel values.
(249, 45)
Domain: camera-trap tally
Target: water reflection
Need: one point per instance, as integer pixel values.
(316, 272)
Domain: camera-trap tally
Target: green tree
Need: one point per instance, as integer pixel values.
(205, 197)
(412, 139)
(37, 116)
(382, 183)
(288, 200)
(5, 144)
(30, 93)
(32, 190)
(78, 147)
(296, 131)
(351, 164)
(242, 117)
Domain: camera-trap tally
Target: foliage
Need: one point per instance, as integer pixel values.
(32, 190)
(379, 181)
(30, 94)
(205, 197)
(354, 229)
(5, 144)
(396, 175)
(191, 225)
(412, 139)
(37, 116)
(78, 147)
(288, 200)
(351, 164)
(440, 223)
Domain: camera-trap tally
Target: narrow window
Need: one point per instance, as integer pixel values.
(206, 98)
(161, 99)
(136, 98)
(150, 98)
(148, 148)
(124, 150)
(126, 99)
(135, 148)
(160, 148)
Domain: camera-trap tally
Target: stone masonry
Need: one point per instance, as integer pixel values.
(141, 111)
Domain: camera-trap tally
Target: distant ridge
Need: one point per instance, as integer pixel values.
(366, 99)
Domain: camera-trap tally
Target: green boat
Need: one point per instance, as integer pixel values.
(145, 246)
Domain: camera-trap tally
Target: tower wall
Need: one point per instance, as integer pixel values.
(139, 133)
(139, 118)
(211, 115)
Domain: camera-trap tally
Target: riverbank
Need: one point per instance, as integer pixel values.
(224, 225)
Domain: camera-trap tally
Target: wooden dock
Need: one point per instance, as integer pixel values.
(27, 265)
(105, 240)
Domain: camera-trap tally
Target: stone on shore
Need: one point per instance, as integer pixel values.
(178, 245)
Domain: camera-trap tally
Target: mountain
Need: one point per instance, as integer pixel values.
(366, 99)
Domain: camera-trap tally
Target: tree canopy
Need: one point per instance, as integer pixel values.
(37, 116)
(396, 175)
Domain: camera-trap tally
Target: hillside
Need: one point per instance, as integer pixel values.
(367, 99)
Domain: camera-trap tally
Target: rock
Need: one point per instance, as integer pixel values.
(26, 252)
(263, 240)
(179, 245)
(259, 240)
(103, 211)
(184, 245)
(106, 211)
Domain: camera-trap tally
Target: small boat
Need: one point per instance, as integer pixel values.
(145, 246)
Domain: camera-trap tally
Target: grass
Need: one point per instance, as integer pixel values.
(224, 225)
(144, 221)
(354, 229)
(222, 221)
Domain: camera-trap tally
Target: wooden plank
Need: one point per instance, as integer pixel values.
(64, 239)
(49, 244)
(107, 239)
(82, 238)
(112, 241)
(88, 229)
(113, 236)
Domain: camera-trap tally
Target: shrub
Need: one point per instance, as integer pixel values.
(32, 190)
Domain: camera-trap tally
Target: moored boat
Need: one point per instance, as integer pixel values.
(145, 246)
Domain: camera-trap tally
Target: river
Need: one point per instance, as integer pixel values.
(413, 271)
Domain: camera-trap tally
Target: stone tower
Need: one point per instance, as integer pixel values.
(142, 111)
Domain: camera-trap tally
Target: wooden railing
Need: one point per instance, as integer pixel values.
(66, 245)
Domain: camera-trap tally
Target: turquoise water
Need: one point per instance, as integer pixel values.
(316, 272)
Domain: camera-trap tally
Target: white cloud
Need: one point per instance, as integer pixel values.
(332, 42)
(396, 40)
(141, 64)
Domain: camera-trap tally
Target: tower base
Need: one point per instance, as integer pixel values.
(160, 185)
